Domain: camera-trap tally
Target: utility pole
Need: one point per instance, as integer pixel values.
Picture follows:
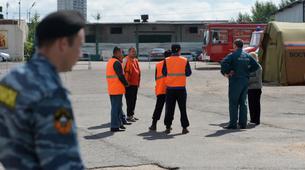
(7, 5)
(34, 3)
(19, 11)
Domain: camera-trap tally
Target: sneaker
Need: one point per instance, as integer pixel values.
(122, 127)
(153, 127)
(185, 131)
(131, 119)
(135, 118)
(127, 123)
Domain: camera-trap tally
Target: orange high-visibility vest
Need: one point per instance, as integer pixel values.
(115, 86)
(175, 71)
(160, 79)
(132, 71)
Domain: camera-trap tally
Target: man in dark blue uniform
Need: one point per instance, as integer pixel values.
(237, 66)
(37, 126)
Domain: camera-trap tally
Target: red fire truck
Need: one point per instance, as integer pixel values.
(218, 38)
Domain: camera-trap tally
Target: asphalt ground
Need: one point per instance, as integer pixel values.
(278, 143)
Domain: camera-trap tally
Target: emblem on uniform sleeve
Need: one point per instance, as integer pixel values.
(8, 96)
(63, 121)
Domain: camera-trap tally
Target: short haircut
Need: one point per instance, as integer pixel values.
(176, 48)
(131, 49)
(116, 49)
(239, 43)
(167, 53)
(59, 25)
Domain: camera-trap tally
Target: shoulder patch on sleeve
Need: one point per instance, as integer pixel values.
(8, 96)
(63, 120)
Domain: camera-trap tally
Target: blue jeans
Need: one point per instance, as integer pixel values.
(116, 110)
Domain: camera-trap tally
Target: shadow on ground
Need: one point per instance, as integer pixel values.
(103, 126)
(100, 135)
(153, 135)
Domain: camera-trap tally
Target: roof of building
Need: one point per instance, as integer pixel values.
(8, 22)
(165, 22)
(290, 5)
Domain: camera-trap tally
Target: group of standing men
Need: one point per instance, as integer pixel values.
(37, 126)
(123, 77)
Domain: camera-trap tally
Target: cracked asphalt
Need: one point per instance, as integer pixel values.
(277, 144)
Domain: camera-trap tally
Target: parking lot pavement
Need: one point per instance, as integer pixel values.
(278, 143)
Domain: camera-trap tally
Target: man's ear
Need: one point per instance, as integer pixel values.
(62, 44)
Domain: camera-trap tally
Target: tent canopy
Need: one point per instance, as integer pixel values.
(283, 57)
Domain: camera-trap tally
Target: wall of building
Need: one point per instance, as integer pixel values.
(293, 14)
(16, 37)
(176, 32)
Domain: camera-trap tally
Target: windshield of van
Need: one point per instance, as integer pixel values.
(255, 39)
(219, 36)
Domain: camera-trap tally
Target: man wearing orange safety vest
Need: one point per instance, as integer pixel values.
(160, 91)
(116, 88)
(176, 68)
(133, 76)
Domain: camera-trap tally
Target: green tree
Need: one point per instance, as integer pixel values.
(262, 12)
(29, 46)
(284, 3)
(243, 18)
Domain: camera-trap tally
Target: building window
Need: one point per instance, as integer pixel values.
(194, 30)
(90, 38)
(155, 38)
(116, 30)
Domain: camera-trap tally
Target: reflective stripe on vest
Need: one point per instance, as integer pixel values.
(112, 77)
(115, 86)
(176, 74)
(160, 80)
(176, 66)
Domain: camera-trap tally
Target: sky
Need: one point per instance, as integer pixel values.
(128, 10)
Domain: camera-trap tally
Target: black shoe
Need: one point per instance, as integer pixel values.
(122, 127)
(242, 126)
(116, 130)
(127, 123)
(230, 127)
(185, 131)
(135, 118)
(153, 127)
(168, 130)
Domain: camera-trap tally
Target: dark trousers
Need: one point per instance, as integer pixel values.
(158, 108)
(254, 99)
(173, 95)
(116, 110)
(131, 99)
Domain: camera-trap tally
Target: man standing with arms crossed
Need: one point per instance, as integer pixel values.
(176, 68)
(236, 67)
(133, 77)
(116, 88)
(37, 126)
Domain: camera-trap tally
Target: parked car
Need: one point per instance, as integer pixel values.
(85, 57)
(143, 57)
(188, 55)
(157, 54)
(4, 57)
